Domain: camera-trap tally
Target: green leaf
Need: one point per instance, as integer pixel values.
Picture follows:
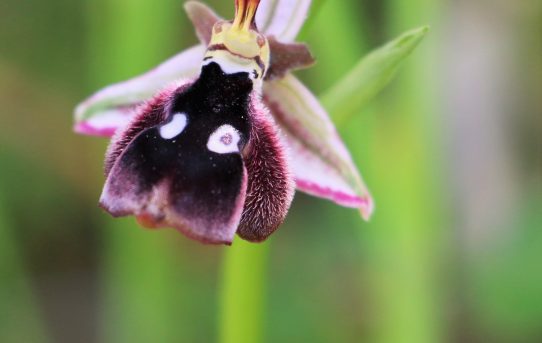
(372, 73)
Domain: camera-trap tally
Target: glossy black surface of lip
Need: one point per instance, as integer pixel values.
(199, 181)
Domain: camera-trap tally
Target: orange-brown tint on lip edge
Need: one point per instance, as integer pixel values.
(148, 222)
(245, 14)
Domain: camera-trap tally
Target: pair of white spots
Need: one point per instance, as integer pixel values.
(224, 140)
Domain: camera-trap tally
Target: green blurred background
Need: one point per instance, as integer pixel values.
(451, 151)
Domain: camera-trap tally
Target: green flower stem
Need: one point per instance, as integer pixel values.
(243, 292)
(140, 283)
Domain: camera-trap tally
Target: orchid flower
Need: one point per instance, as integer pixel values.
(214, 141)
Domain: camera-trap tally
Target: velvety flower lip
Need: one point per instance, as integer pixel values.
(319, 161)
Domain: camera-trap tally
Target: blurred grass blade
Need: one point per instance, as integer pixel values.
(140, 272)
(406, 269)
(243, 292)
(19, 318)
(370, 76)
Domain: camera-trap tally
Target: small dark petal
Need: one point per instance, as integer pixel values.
(286, 57)
(270, 184)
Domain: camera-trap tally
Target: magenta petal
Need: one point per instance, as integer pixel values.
(321, 163)
(270, 181)
(315, 177)
(107, 123)
(342, 198)
(85, 128)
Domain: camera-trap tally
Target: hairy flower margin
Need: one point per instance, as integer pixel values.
(320, 163)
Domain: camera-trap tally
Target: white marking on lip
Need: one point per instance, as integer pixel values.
(224, 140)
(174, 127)
(232, 65)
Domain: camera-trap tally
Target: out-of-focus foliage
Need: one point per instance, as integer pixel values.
(370, 75)
(451, 152)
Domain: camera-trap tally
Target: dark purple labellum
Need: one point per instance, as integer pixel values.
(190, 156)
